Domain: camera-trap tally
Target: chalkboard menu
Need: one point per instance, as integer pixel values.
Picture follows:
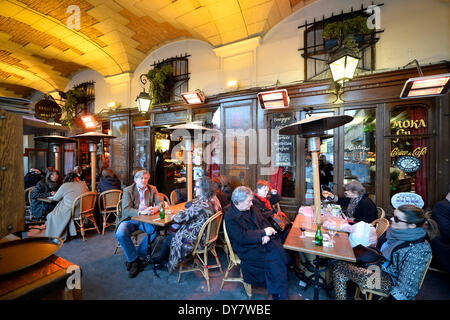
(283, 147)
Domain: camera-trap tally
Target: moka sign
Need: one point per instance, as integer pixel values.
(404, 127)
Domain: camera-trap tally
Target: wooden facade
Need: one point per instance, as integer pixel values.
(378, 92)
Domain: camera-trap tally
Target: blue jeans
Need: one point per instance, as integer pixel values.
(123, 235)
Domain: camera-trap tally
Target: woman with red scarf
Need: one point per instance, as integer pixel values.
(263, 202)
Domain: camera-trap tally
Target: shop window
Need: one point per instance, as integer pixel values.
(326, 164)
(142, 147)
(410, 151)
(360, 149)
(211, 147)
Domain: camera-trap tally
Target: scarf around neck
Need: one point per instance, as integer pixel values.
(352, 205)
(395, 237)
(265, 201)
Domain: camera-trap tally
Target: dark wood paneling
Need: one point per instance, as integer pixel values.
(12, 201)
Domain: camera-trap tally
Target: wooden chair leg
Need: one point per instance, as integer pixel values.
(180, 267)
(104, 223)
(230, 266)
(357, 293)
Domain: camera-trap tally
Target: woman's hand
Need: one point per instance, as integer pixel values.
(269, 231)
(265, 239)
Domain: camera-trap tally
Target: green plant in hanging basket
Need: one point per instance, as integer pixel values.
(161, 83)
(356, 25)
(74, 99)
(332, 30)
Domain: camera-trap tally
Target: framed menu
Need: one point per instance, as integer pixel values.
(283, 147)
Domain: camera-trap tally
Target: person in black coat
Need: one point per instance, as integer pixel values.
(109, 181)
(223, 198)
(263, 259)
(45, 188)
(359, 206)
(441, 244)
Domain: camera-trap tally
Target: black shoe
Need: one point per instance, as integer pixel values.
(135, 267)
(128, 265)
(299, 273)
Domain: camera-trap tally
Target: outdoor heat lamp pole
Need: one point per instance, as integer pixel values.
(312, 129)
(93, 138)
(192, 128)
(55, 141)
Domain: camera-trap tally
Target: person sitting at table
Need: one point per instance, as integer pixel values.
(187, 224)
(109, 181)
(138, 199)
(406, 254)
(45, 188)
(59, 221)
(263, 202)
(225, 186)
(263, 259)
(441, 244)
(223, 198)
(359, 206)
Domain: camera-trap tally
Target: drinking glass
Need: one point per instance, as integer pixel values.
(332, 231)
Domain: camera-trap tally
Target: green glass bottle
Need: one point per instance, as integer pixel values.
(318, 239)
(162, 212)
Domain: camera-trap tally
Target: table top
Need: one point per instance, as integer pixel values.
(341, 250)
(155, 220)
(48, 272)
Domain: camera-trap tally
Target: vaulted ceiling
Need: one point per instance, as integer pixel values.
(41, 47)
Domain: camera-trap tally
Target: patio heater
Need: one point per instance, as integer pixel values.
(192, 128)
(55, 142)
(313, 129)
(93, 138)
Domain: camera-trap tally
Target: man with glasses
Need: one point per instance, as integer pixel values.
(138, 199)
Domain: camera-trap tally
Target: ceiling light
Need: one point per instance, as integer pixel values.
(426, 86)
(274, 99)
(233, 84)
(193, 97)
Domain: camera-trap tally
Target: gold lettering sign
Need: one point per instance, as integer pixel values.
(417, 152)
(407, 124)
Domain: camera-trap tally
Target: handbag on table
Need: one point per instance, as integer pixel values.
(279, 222)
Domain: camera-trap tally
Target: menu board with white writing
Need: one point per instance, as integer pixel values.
(283, 147)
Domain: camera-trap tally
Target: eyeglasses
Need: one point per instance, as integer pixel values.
(397, 220)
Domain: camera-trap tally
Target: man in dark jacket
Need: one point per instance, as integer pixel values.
(441, 244)
(109, 181)
(263, 259)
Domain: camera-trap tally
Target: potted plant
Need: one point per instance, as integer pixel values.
(356, 27)
(74, 98)
(351, 29)
(331, 34)
(161, 83)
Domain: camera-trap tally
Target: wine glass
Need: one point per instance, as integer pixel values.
(302, 235)
(332, 231)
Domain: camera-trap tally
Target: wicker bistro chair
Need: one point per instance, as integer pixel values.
(165, 197)
(381, 225)
(381, 213)
(233, 262)
(134, 235)
(174, 197)
(28, 213)
(83, 211)
(108, 206)
(368, 293)
(211, 230)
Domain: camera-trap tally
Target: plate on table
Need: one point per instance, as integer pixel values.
(19, 254)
